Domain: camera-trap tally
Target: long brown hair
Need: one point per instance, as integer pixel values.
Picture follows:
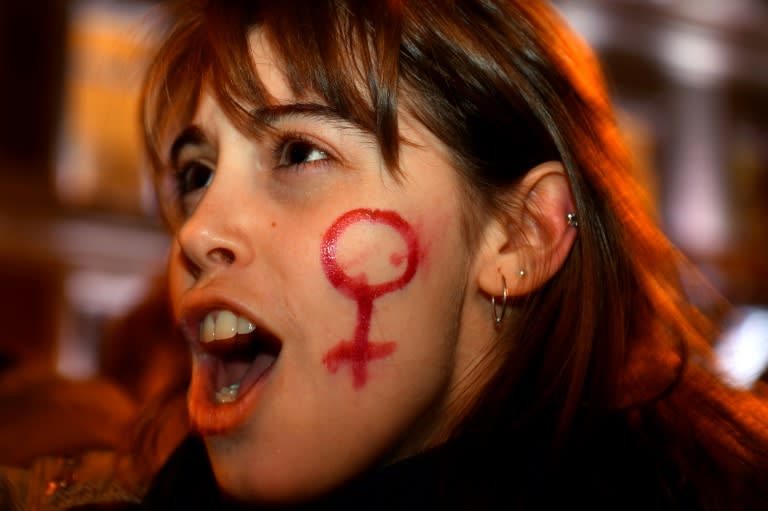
(505, 85)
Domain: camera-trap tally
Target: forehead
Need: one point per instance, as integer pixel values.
(255, 114)
(268, 72)
(268, 69)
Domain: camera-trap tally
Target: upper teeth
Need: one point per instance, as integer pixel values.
(224, 324)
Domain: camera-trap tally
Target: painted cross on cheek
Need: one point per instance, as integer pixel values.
(360, 351)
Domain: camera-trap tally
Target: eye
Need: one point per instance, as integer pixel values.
(193, 177)
(298, 152)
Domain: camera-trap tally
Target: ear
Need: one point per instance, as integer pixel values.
(529, 242)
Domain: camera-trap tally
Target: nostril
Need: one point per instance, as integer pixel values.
(207, 249)
(221, 256)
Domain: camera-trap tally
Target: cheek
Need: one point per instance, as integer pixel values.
(179, 280)
(374, 253)
(367, 254)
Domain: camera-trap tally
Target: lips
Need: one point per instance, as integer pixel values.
(233, 357)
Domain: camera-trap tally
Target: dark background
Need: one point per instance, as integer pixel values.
(80, 243)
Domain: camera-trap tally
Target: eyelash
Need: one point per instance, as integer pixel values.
(180, 176)
(288, 140)
(178, 197)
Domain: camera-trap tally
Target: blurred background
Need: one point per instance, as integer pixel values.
(80, 243)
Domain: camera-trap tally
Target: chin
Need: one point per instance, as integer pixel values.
(274, 479)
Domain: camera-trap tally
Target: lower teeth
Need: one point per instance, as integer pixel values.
(227, 394)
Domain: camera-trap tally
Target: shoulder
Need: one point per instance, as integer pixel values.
(63, 483)
(694, 449)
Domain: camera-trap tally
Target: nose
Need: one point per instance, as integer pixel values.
(214, 237)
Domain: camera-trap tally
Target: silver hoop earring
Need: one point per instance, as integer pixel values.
(572, 220)
(498, 316)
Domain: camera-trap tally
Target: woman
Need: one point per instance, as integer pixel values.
(415, 272)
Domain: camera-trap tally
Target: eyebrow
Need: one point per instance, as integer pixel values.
(269, 116)
(272, 114)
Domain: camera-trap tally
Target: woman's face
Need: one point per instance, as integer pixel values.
(327, 302)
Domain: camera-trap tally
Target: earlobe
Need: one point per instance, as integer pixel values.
(532, 238)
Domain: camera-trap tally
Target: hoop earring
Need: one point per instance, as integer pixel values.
(499, 316)
(572, 220)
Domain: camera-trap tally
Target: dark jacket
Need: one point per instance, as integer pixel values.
(446, 478)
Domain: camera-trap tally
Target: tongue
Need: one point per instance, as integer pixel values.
(244, 373)
(259, 366)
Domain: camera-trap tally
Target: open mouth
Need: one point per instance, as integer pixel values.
(240, 354)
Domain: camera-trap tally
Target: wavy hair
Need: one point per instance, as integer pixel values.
(505, 85)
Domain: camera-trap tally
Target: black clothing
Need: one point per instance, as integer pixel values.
(448, 478)
(423, 482)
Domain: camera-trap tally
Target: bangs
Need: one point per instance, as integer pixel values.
(209, 48)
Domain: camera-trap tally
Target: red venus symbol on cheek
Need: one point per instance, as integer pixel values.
(360, 351)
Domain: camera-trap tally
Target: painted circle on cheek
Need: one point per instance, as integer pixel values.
(360, 351)
(357, 287)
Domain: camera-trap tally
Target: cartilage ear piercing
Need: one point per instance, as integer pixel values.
(572, 220)
(498, 316)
